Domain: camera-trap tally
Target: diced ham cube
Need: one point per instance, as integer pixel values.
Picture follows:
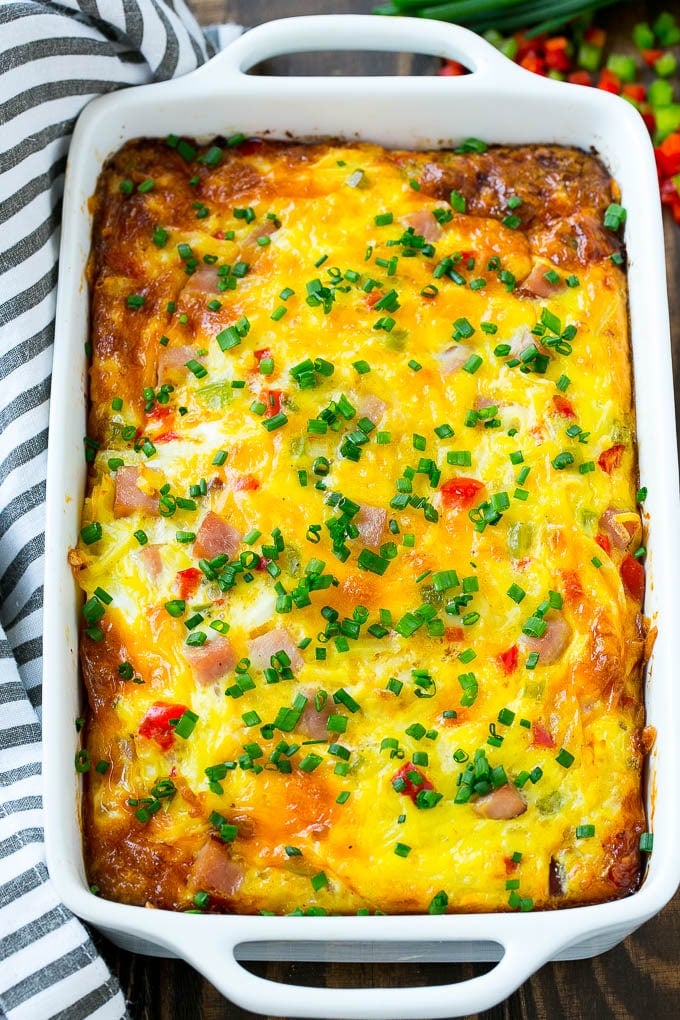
(216, 536)
(368, 405)
(204, 280)
(553, 642)
(371, 522)
(536, 285)
(263, 229)
(172, 363)
(129, 498)
(504, 803)
(622, 527)
(214, 870)
(425, 223)
(263, 647)
(150, 557)
(453, 358)
(313, 722)
(212, 660)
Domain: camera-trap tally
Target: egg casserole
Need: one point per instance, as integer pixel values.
(361, 551)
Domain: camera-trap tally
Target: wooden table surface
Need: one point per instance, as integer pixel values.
(640, 978)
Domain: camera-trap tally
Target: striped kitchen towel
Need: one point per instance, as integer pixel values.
(54, 58)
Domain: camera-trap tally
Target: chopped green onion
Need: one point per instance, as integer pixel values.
(186, 723)
(91, 533)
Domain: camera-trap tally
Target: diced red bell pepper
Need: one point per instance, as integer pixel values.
(410, 781)
(245, 483)
(579, 77)
(509, 658)
(633, 577)
(272, 398)
(609, 82)
(563, 406)
(157, 723)
(650, 57)
(452, 69)
(159, 411)
(557, 55)
(610, 459)
(595, 36)
(529, 47)
(264, 352)
(532, 62)
(461, 492)
(668, 155)
(542, 737)
(558, 60)
(635, 91)
(670, 196)
(649, 119)
(604, 543)
(558, 42)
(188, 581)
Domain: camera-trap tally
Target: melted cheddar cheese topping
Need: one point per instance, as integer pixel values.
(362, 611)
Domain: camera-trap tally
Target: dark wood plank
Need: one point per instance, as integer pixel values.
(640, 978)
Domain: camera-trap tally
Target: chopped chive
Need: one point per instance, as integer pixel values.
(185, 726)
(438, 903)
(370, 561)
(362, 367)
(175, 607)
(472, 364)
(91, 533)
(275, 422)
(458, 202)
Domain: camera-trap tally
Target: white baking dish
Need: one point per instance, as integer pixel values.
(497, 102)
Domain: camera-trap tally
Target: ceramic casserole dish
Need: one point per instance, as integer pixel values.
(497, 102)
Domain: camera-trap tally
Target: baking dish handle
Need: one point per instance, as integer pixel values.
(219, 965)
(359, 32)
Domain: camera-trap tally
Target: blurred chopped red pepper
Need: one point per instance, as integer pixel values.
(577, 57)
(635, 91)
(609, 82)
(452, 69)
(668, 156)
(670, 195)
(579, 77)
(650, 57)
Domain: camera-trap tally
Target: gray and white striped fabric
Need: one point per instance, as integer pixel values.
(54, 58)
